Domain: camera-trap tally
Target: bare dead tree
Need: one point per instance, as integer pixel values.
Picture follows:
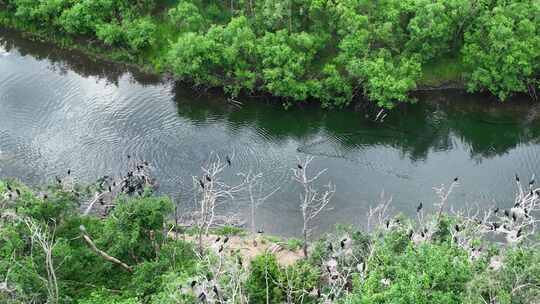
(254, 184)
(313, 201)
(212, 192)
(102, 253)
(45, 239)
(443, 194)
(379, 214)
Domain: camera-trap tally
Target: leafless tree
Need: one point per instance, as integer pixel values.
(313, 201)
(212, 192)
(45, 239)
(254, 184)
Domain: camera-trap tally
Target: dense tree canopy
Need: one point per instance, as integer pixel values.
(303, 50)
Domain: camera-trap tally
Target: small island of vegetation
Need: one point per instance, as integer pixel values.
(329, 51)
(116, 242)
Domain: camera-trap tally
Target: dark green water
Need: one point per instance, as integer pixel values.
(59, 110)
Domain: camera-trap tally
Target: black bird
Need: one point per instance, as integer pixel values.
(342, 243)
(328, 269)
(514, 217)
(110, 189)
(410, 234)
(128, 156)
(218, 239)
(387, 224)
(419, 207)
(58, 180)
(216, 291)
(202, 297)
(455, 179)
(507, 213)
(69, 172)
(260, 231)
(519, 232)
(516, 205)
(496, 210)
(193, 283)
(495, 225)
(422, 233)
(228, 159)
(45, 196)
(225, 240)
(201, 183)
(318, 292)
(220, 249)
(299, 166)
(531, 182)
(9, 188)
(456, 227)
(517, 178)
(208, 178)
(330, 247)
(18, 192)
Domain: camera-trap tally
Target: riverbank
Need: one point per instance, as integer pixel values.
(52, 253)
(308, 56)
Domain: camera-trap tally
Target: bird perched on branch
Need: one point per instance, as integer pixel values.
(419, 207)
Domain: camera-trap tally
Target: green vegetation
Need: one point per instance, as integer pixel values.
(45, 257)
(304, 50)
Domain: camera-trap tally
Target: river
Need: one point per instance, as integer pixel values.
(61, 110)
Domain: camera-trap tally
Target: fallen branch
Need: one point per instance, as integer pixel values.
(103, 254)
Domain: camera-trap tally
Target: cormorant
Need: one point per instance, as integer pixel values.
(455, 179)
(69, 172)
(220, 249)
(18, 192)
(387, 224)
(193, 283)
(419, 207)
(45, 196)
(208, 178)
(300, 167)
(330, 247)
(456, 227)
(517, 178)
(110, 189)
(507, 213)
(218, 239)
(342, 244)
(58, 180)
(410, 234)
(225, 240)
(9, 188)
(228, 159)
(519, 232)
(514, 217)
(496, 210)
(201, 183)
(216, 291)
